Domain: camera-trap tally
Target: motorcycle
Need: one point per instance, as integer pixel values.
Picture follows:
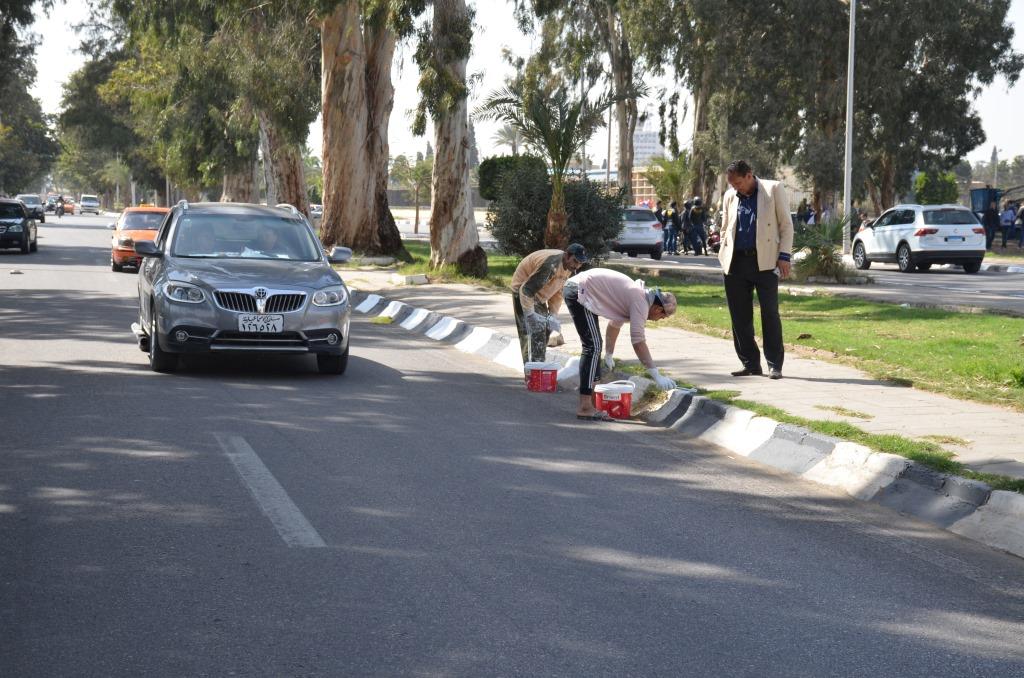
(714, 241)
(60, 210)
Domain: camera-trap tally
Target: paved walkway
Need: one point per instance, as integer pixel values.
(995, 444)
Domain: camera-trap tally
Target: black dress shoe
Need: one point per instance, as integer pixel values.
(747, 372)
(775, 373)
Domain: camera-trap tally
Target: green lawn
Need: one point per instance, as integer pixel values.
(968, 356)
(500, 267)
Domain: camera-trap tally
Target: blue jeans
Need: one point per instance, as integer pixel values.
(669, 237)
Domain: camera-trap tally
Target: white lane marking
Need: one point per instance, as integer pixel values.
(275, 503)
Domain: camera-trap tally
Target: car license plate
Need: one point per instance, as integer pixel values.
(955, 238)
(248, 322)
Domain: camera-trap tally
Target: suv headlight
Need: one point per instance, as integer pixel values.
(183, 292)
(330, 296)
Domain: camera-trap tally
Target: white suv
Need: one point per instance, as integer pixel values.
(641, 233)
(89, 203)
(917, 236)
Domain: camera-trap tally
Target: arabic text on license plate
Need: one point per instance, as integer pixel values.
(248, 322)
(955, 238)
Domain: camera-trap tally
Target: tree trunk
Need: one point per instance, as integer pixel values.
(557, 234)
(621, 59)
(453, 234)
(416, 222)
(239, 187)
(888, 182)
(357, 97)
(876, 197)
(700, 126)
(268, 177)
(286, 173)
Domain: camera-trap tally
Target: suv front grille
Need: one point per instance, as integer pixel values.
(242, 302)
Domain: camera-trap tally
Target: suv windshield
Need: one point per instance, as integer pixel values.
(249, 236)
(142, 221)
(9, 211)
(90, 200)
(638, 215)
(949, 217)
(30, 199)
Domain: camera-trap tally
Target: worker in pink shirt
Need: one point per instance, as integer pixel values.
(601, 292)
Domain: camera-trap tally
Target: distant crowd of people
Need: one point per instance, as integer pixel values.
(691, 223)
(1010, 221)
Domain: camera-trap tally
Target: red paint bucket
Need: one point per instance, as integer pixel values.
(542, 377)
(615, 398)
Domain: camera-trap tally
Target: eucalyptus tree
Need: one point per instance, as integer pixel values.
(442, 55)
(556, 124)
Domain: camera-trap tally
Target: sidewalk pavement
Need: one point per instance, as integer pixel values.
(994, 444)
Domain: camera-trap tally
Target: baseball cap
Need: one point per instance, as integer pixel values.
(666, 300)
(578, 252)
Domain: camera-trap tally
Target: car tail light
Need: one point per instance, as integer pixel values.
(657, 225)
(926, 231)
(979, 230)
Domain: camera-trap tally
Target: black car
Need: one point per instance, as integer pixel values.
(17, 227)
(34, 204)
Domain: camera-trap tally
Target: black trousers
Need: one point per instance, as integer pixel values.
(740, 283)
(590, 337)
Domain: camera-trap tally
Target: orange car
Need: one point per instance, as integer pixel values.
(134, 224)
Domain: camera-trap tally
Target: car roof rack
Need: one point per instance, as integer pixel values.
(291, 208)
(183, 204)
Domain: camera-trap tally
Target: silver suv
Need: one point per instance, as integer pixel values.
(228, 277)
(89, 203)
(916, 236)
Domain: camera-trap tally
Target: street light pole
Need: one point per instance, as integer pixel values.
(848, 155)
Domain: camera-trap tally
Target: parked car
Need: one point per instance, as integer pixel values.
(51, 204)
(17, 227)
(917, 236)
(135, 224)
(89, 203)
(231, 277)
(35, 206)
(641, 233)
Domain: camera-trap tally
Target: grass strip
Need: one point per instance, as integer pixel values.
(926, 453)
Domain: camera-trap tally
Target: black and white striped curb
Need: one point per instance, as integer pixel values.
(966, 507)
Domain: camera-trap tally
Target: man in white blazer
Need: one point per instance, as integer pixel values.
(757, 241)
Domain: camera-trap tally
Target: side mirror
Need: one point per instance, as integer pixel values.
(147, 248)
(340, 255)
(112, 227)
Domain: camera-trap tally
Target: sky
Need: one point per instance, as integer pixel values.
(999, 106)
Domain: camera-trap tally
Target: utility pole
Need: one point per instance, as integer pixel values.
(608, 165)
(848, 155)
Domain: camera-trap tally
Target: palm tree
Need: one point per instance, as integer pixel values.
(509, 136)
(557, 124)
(671, 176)
(116, 172)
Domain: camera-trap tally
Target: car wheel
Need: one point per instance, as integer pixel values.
(923, 267)
(656, 254)
(34, 247)
(631, 254)
(332, 364)
(860, 257)
(116, 267)
(26, 244)
(159, 360)
(904, 259)
(972, 267)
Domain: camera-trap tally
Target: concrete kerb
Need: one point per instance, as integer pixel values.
(966, 507)
(963, 506)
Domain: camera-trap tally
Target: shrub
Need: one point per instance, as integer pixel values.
(823, 255)
(518, 216)
(490, 171)
(595, 216)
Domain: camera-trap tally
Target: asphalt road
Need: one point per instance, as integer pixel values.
(940, 286)
(422, 515)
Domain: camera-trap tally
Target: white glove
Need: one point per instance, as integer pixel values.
(664, 383)
(609, 361)
(553, 324)
(534, 321)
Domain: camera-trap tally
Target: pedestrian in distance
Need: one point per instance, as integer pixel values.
(537, 295)
(1006, 221)
(684, 218)
(990, 220)
(802, 211)
(1020, 226)
(614, 296)
(698, 221)
(757, 241)
(659, 214)
(673, 223)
